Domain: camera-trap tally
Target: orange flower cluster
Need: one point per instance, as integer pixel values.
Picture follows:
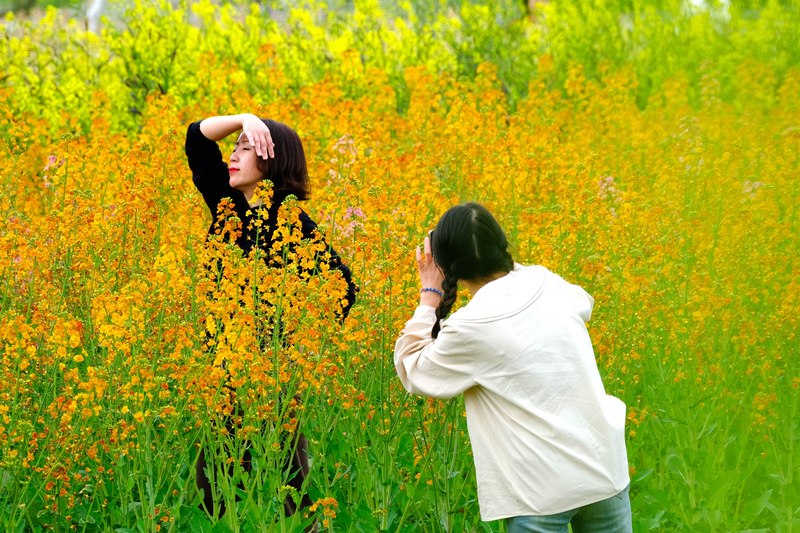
(124, 335)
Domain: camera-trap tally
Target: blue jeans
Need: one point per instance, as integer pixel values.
(606, 516)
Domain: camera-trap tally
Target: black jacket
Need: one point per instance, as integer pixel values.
(210, 176)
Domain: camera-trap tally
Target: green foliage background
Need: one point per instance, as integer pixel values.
(700, 73)
(154, 48)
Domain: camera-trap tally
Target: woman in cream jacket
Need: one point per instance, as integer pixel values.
(548, 442)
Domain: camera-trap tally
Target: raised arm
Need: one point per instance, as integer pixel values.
(219, 127)
(439, 368)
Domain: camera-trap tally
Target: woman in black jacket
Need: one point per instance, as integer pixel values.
(264, 150)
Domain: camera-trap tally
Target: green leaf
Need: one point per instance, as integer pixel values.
(676, 465)
(755, 507)
(655, 521)
(221, 527)
(641, 476)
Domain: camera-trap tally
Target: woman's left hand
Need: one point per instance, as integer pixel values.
(430, 275)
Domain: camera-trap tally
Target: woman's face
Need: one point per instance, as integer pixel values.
(243, 170)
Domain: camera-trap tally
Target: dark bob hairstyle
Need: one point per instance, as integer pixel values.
(287, 170)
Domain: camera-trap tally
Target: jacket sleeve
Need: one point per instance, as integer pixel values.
(309, 228)
(209, 171)
(336, 262)
(581, 301)
(584, 304)
(439, 368)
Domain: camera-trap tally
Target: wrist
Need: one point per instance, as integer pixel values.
(430, 296)
(433, 290)
(245, 116)
(218, 127)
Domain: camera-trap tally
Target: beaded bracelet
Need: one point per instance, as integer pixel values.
(431, 289)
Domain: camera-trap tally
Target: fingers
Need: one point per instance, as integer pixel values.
(262, 143)
(270, 144)
(260, 138)
(266, 148)
(252, 140)
(424, 256)
(430, 275)
(262, 146)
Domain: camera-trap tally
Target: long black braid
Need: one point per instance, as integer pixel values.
(508, 265)
(468, 244)
(450, 289)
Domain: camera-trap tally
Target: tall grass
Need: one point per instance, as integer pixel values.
(658, 169)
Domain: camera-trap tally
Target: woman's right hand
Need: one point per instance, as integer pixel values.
(430, 275)
(258, 135)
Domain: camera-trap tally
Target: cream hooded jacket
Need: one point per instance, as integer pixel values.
(545, 436)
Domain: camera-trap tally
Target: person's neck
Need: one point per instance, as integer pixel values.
(248, 196)
(474, 285)
(278, 196)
